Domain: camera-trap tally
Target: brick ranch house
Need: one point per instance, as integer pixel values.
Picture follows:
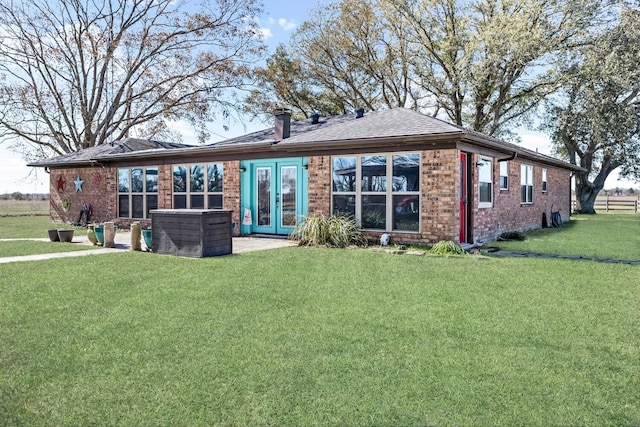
(396, 171)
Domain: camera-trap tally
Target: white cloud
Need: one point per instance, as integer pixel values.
(266, 33)
(286, 25)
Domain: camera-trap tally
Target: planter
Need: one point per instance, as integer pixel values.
(65, 235)
(146, 234)
(99, 230)
(91, 234)
(53, 234)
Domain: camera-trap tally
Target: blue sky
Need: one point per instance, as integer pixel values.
(279, 20)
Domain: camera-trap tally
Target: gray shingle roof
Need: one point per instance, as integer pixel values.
(86, 156)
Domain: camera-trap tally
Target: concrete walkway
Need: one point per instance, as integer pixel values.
(123, 243)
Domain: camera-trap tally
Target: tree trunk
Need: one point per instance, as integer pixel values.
(586, 198)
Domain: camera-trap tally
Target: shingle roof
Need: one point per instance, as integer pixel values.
(87, 156)
(378, 129)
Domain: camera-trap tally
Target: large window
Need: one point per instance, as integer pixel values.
(137, 192)
(485, 179)
(504, 175)
(197, 186)
(526, 184)
(381, 191)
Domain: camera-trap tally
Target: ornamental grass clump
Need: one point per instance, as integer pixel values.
(335, 230)
(447, 247)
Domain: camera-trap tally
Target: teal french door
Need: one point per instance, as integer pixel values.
(276, 195)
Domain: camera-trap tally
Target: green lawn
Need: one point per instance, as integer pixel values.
(306, 336)
(13, 227)
(599, 236)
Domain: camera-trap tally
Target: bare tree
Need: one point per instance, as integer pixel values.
(76, 74)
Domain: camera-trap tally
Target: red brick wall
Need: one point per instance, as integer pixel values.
(99, 189)
(508, 213)
(319, 185)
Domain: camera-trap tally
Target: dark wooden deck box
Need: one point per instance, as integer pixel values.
(191, 232)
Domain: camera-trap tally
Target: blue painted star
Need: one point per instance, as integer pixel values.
(78, 182)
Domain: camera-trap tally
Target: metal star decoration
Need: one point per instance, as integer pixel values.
(78, 182)
(61, 183)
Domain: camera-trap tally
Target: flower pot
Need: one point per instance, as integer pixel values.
(146, 234)
(99, 230)
(53, 234)
(91, 235)
(65, 235)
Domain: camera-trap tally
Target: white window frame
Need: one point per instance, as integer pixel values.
(526, 181)
(544, 180)
(388, 193)
(504, 173)
(188, 193)
(145, 194)
(485, 175)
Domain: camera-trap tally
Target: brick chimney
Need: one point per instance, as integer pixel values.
(283, 124)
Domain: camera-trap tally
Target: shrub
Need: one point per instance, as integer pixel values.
(336, 230)
(447, 247)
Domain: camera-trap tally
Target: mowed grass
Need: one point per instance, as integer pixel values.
(614, 236)
(306, 336)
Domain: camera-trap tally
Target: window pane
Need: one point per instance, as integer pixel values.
(137, 202)
(137, 180)
(152, 203)
(264, 196)
(152, 180)
(485, 171)
(214, 177)
(485, 192)
(180, 201)
(215, 201)
(344, 174)
(406, 212)
(123, 206)
(523, 193)
(196, 178)
(530, 193)
(406, 172)
(344, 205)
(197, 201)
(179, 179)
(123, 180)
(504, 182)
(374, 212)
(374, 173)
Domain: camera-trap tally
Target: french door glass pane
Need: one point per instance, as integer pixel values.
(288, 178)
(263, 175)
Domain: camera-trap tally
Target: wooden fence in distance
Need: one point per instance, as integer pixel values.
(614, 204)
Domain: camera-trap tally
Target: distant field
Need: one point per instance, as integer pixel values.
(11, 207)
